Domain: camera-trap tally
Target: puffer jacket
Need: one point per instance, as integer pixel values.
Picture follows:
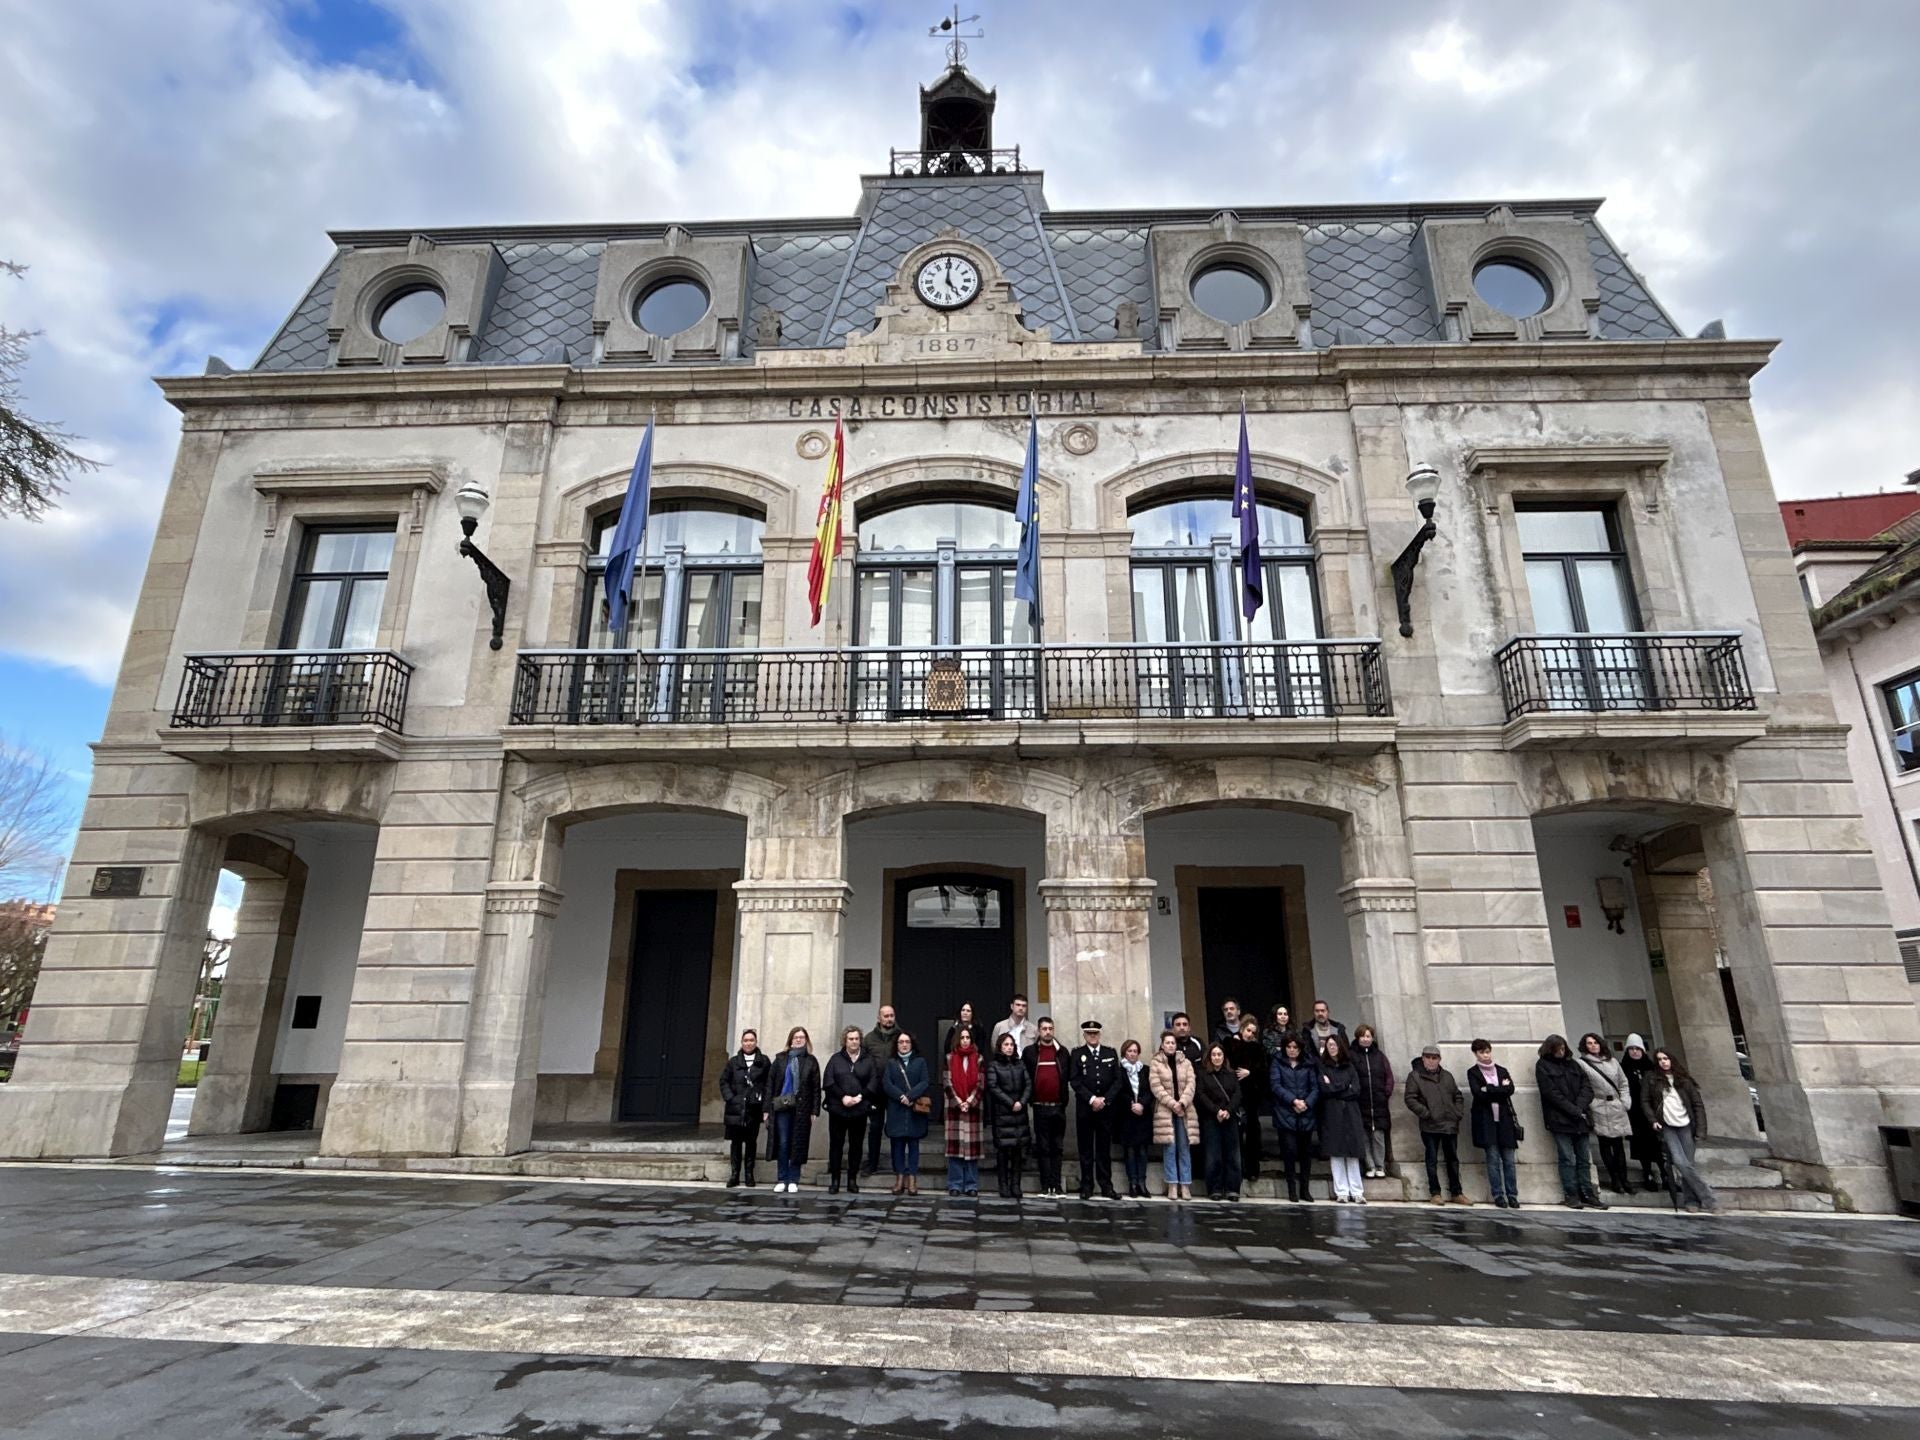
(1376, 1085)
(1172, 1083)
(1565, 1092)
(1611, 1109)
(1291, 1083)
(1009, 1083)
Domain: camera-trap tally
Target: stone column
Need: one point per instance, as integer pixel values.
(101, 1053)
(1099, 966)
(1383, 925)
(235, 1093)
(502, 1062)
(789, 969)
(1705, 1041)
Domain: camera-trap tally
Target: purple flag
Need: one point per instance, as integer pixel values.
(1253, 592)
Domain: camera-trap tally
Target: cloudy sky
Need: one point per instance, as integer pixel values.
(169, 170)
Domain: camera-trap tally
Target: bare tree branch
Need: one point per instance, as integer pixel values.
(37, 459)
(23, 941)
(35, 817)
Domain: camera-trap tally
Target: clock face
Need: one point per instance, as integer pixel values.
(947, 282)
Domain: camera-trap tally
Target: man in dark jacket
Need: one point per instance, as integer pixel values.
(879, 1048)
(1433, 1095)
(1096, 1087)
(1048, 1063)
(1228, 1026)
(1566, 1095)
(1316, 1031)
(743, 1096)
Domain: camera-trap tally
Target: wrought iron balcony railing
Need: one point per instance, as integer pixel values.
(293, 687)
(1672, 671)
(1313, 679)
(954, 162)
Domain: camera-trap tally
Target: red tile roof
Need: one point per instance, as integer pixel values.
(1846, 517)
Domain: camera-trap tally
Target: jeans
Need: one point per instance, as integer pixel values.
(1136, 1167)
(1574, 1152)
(844, 1134)
(906, 1155)
(1296, 1160)
(1222, 1139)
(963, 1176)
(1683, 1176)
(1438, 1146)
(1176, 1158)
(1379, 1150)
(789, 1168)
(1346, 1177)
(1500, 1177)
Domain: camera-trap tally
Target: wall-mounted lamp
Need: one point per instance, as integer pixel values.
(1423, 484)
(471, 500)
(1613, 902)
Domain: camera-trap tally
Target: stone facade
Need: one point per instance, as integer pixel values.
(1428, 917)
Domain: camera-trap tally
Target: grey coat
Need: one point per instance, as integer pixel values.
(1612, 1098)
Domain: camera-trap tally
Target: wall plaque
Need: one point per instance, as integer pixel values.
(118, 881)
(856, 987)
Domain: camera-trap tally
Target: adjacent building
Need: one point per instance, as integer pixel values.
(506, 870)
(1859, 562)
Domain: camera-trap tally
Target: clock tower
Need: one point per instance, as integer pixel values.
(956, 124)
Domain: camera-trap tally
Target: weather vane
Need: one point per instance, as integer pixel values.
(950, 31)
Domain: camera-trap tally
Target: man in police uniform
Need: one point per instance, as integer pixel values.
(1097, 1079)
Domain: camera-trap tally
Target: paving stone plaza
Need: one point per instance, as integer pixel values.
(186, 1303)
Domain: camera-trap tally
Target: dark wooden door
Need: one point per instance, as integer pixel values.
(665, 1043)
(952, 942)
(1243, 950)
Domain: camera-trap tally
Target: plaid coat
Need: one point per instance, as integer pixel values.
(963, 1127)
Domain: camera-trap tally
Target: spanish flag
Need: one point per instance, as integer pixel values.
(826, 533)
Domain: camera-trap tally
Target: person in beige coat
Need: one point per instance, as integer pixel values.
(1176, 1129)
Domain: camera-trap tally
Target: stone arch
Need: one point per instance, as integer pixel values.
(948, 476)
(1361, 798)
(959, 781)
(545, 805)
(1323, 495)
(226, 799)
(1684, 784)
(583, 501)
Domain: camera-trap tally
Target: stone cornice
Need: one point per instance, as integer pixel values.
(523, 897)
(792, 895)
(410, 482)
(1119, 893)
(1403, 365)
(1382, 895)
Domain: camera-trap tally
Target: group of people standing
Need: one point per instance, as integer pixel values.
(1201, 1106)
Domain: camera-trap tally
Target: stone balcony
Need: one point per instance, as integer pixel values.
(1609, 691)
(1323, 695)
(290, 705)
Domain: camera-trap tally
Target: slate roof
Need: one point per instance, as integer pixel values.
(1069, 270)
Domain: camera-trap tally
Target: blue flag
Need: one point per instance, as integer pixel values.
(1026, 510)
(1253, 592)
(629, 534)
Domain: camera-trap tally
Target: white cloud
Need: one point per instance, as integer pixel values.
(170, 171)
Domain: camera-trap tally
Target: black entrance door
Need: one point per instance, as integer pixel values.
(665, 1043)
(1243, 950)
(952, 942)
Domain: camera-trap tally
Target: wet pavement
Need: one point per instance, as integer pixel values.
(1561, 1274)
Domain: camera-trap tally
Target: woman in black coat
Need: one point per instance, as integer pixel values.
(1009, 1101)
(1249, 1060)
(1217, 1099)
(743, 1094)
(1133, 1119)
(1645, 1146)
(847, 1090)
(793, 1099)
(1495, 1130)
(1566, 1104)
(1376, 1093)
(1343, 1131)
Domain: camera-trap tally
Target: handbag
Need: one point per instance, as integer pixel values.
(1519, 1133)
(781, 1103)
(923, 1106)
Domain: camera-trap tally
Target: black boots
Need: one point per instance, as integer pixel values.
(833, 1182)
(734, 1152)
(749, 1170)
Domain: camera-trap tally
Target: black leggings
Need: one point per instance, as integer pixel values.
(1296, 1157)
(1613, 1155)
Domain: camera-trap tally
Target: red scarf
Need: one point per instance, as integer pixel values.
(963, 1071)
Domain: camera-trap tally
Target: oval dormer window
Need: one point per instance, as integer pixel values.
(410, 314)
(1231, 294)
(672, 305)
(1512, 287)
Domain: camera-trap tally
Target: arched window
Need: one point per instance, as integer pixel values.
(1186, 587)
(699, 579)
(934, 588)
